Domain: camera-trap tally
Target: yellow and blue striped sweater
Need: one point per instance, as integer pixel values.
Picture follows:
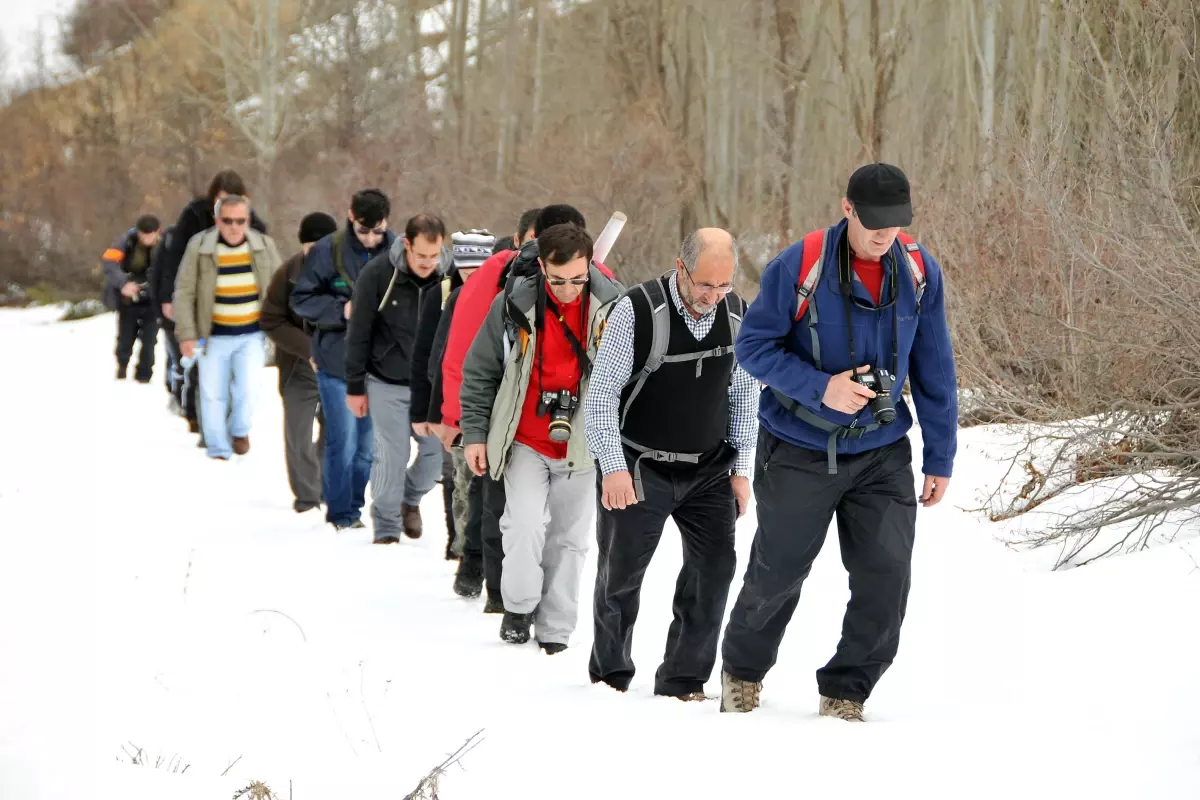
(238, 305)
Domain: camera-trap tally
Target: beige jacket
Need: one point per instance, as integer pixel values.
(196, 286)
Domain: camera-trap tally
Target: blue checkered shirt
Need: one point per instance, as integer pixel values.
(614, 366)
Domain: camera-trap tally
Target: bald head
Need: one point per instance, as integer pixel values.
(707, 262)
(707, 243)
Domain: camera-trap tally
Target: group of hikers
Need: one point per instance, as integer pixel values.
(553, 401)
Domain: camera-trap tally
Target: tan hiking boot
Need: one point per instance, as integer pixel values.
(848, 710)
(737, 695)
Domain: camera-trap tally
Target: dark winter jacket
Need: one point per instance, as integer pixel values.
(384, 319)
(773, 347)
(196, 217)
(320, 296)
(291, 334)
(157, 267)
(433, 301)
(123, 263)
(437, 356)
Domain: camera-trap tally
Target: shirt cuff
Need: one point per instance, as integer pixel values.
(744, 464)
(613, 461)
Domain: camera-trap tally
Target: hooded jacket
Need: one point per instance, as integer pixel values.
(499, 364)
(320, 295)
(385, 316)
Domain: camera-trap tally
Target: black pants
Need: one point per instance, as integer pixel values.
(448, 497)
(137, 322)
(473, 535)
(492, 497)
(301, 408)
(874, 499)
(700, 500)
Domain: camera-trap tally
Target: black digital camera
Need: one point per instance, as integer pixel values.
(560, 406)
(880, 381)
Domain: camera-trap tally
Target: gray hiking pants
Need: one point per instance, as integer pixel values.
(546, 529)
(393, 483)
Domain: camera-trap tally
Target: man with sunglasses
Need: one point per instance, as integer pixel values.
(673, 432)
(851, 307)
(524, 380)
(379, 372)
(222, 279)
(323, 296)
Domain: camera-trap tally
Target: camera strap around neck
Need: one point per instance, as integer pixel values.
(846, 288)
(585, 363)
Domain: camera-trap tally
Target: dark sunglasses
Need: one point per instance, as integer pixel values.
(565, 281)
(233, 221)
(363, 230)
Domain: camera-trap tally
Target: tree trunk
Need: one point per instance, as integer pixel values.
(1041, 55)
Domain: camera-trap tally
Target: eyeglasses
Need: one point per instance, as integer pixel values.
(363, 230)
(564, 281)
(233, 221)
(705, 288)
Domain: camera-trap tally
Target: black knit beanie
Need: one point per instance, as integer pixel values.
(316, 226)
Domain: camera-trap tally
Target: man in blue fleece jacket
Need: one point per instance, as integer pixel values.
(827, 442)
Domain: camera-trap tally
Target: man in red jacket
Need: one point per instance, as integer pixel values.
(475, 298)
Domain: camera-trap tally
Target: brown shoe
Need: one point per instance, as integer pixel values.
(692, 697)
(241, 445)
(412, 520)
(193, 426)
(848, 710)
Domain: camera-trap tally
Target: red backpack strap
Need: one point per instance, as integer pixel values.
(810, 269)
(916, 264)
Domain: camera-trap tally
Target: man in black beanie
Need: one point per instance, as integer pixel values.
(297, 380)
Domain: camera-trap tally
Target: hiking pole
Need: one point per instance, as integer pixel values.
(608, 236)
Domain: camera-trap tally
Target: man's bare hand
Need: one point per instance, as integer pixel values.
(422, 429)
(131, 290)
(357, 403)
(187, 348)
(934, 490)
(168, 310)
(477, 458)
(448, 433)
(346, 310)
(741, 491)
(618, 491)
(845, 395)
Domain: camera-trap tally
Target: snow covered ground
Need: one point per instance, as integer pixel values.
(148, 595)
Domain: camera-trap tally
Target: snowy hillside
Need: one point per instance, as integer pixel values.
(149, 595)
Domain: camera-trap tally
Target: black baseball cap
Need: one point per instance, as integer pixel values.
(880, 195)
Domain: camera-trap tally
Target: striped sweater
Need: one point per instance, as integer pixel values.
(238, 305)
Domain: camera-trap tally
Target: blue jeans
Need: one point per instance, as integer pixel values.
(349, 452)
(231, 367)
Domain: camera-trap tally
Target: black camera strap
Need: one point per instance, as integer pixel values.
(585, 363)
(846, 289)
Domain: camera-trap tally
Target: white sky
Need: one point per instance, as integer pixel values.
(18, 27)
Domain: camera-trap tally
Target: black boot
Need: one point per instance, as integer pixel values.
(494, 605)
(122, 371)
(468, 582)
(514, 628)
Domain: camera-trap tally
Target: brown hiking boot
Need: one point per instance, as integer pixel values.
(241, 445)
(848, 710)
(691, 697)
(737, 695)
(412, 520)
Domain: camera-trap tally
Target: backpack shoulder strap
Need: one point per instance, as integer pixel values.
(660, 321)
(916, 265)
(445, 290)
(339, 257)
(736, 311)
(811, 261)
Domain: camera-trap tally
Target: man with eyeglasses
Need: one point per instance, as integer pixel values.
(842, 319)
(218, 295)
(380, 356)
(524, 380)
(671, 419)
(323, 295)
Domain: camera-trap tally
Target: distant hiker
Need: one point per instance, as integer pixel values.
(833, 435)
(322, 297)
(524, 380)
(671, 420)
(297, 379)
(196, 217)
(218, 299)
(127, 290)
(174, 371)
(469, 250)
(379, 365)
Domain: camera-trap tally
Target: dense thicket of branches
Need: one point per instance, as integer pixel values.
(1054, 147)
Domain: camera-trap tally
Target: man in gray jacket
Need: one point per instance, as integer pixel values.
(522, 419)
